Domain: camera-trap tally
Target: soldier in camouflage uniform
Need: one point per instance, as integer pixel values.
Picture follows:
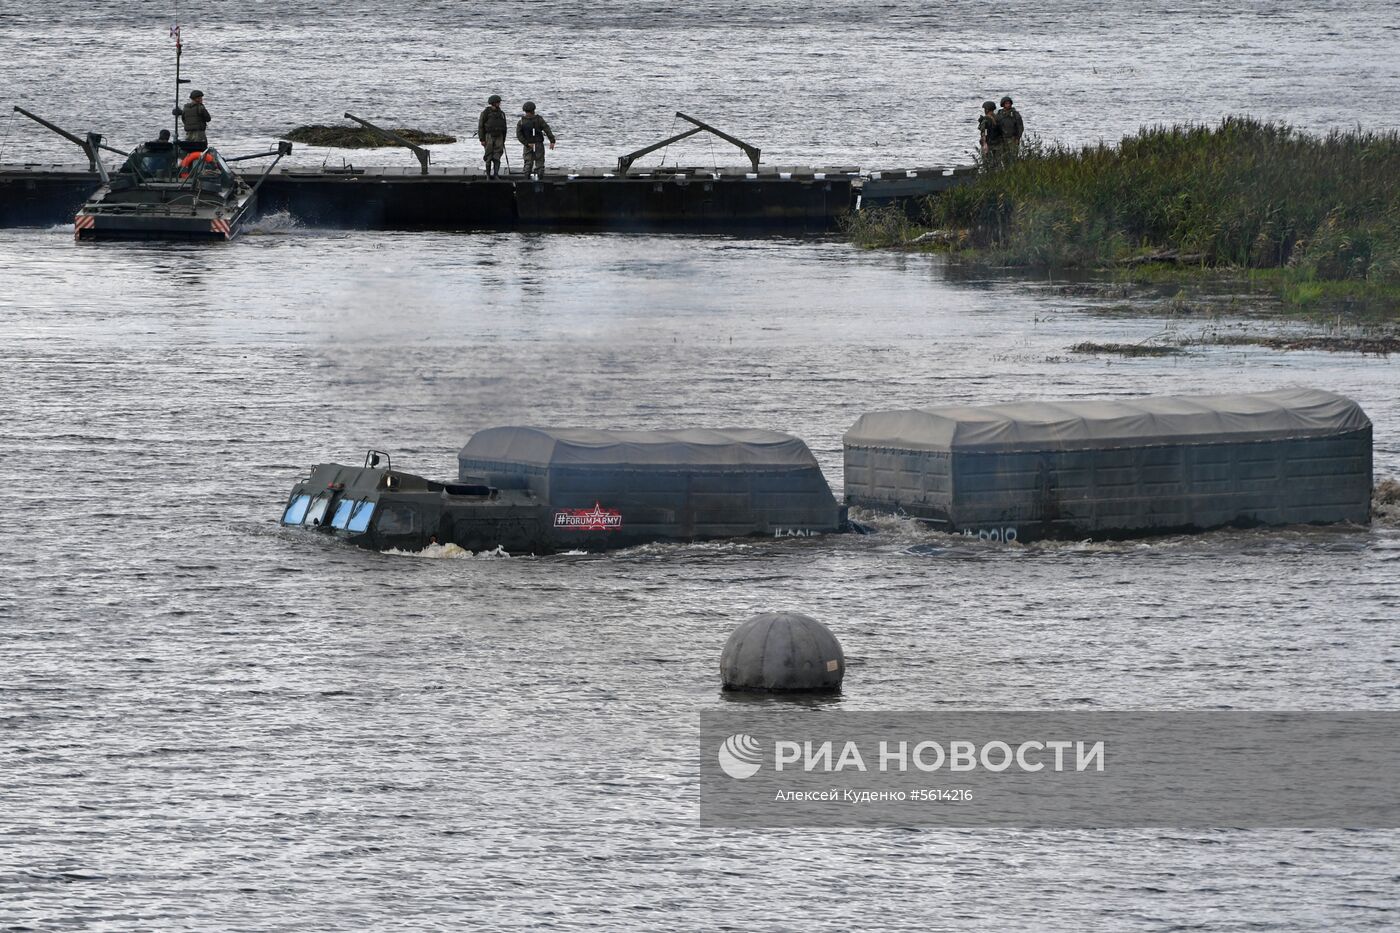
(988, 133)
(532, 131)
(491, 130)
(195, 117)
(1011, 125)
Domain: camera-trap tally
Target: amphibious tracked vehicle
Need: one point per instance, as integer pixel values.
(541, 491)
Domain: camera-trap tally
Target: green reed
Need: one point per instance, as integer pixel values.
(1244, 194)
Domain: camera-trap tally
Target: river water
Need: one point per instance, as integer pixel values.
(212, 723)
(825, 82)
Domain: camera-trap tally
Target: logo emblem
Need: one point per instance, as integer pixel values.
(594, 519)
(740, 756)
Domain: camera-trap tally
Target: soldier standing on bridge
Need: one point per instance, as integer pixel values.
(491, 130)
(532, 130)
(196, 118)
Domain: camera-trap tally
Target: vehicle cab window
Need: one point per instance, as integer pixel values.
(296, 510)
(342, 513)
(152, 161)
(316, 512)
(359, 518)
(222, 170)
(397, 520)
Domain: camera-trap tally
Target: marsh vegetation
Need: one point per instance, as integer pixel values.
(1312, 219)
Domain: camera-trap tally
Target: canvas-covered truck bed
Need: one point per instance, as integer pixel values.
(1117, 467)
(608, 488)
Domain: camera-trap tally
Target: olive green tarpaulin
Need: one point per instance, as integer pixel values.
(1088, 423)
(1108, 468)
(699, 448)
(690, 483)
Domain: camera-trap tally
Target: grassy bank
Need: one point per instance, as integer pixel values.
(1315, 219)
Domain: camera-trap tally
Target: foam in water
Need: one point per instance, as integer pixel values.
(449, 551)
(280, 222)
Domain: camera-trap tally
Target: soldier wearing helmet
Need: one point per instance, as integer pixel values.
(532, 131)
(988, 133)
(1011, 125)
(196, 118)
(491, 130)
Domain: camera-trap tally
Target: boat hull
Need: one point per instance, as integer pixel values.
(99, 221)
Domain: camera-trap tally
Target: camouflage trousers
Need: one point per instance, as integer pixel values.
(534, 159)
(999, 155)
(493, 147)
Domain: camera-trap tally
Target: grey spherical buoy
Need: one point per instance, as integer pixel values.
(782, 651)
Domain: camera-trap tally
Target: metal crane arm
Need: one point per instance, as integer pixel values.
(423, 155)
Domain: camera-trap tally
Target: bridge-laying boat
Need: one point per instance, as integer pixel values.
(166, 190)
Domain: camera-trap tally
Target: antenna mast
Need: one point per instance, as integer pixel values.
(175, 34)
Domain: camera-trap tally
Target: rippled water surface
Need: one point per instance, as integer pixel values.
(876, 84)
(210, 723)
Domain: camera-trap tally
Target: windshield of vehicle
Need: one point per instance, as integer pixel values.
(209, 166)
(154, 161)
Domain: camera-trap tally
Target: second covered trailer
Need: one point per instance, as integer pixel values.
(1117, 467)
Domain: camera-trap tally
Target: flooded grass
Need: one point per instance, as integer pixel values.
(883, 227)
(1126, 349)
(1332, 343)
(1378, 344)
(1385, 500)
(1295, 291)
